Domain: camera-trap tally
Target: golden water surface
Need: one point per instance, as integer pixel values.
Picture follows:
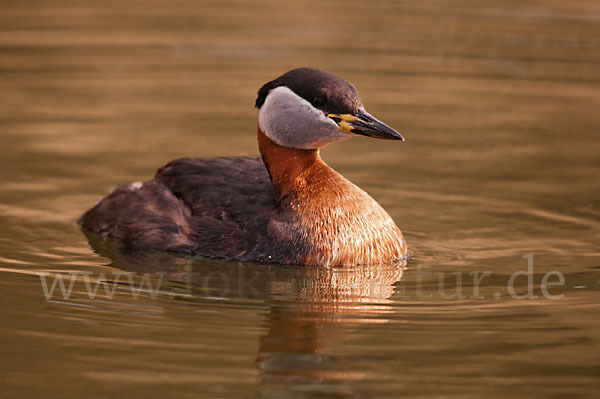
(500, 104)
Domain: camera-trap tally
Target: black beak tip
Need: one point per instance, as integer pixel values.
(399, 137)
(372, 127)
(387, 133)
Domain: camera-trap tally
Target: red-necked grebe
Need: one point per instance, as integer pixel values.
(287, 207)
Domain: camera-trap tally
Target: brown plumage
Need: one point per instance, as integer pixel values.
(288, 207)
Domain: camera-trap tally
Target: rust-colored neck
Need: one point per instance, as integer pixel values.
(287, 166)
(326, 220)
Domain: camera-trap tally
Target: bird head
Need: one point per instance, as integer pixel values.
(307, 108)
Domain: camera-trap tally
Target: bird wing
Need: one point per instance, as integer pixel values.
(230, 198)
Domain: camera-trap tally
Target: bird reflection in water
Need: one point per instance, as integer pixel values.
(310, 309)
(304, 313)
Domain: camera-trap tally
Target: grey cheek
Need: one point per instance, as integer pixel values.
(310, 131)
(292, 122)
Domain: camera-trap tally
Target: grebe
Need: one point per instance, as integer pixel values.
(287, 207)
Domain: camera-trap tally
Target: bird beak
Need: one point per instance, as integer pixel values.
(365, 124)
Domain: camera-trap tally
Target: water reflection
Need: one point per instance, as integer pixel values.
(293, 349)
(301, 303)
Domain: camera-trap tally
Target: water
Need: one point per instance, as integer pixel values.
(499, 104)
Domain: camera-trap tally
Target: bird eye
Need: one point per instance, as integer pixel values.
(318, 102)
